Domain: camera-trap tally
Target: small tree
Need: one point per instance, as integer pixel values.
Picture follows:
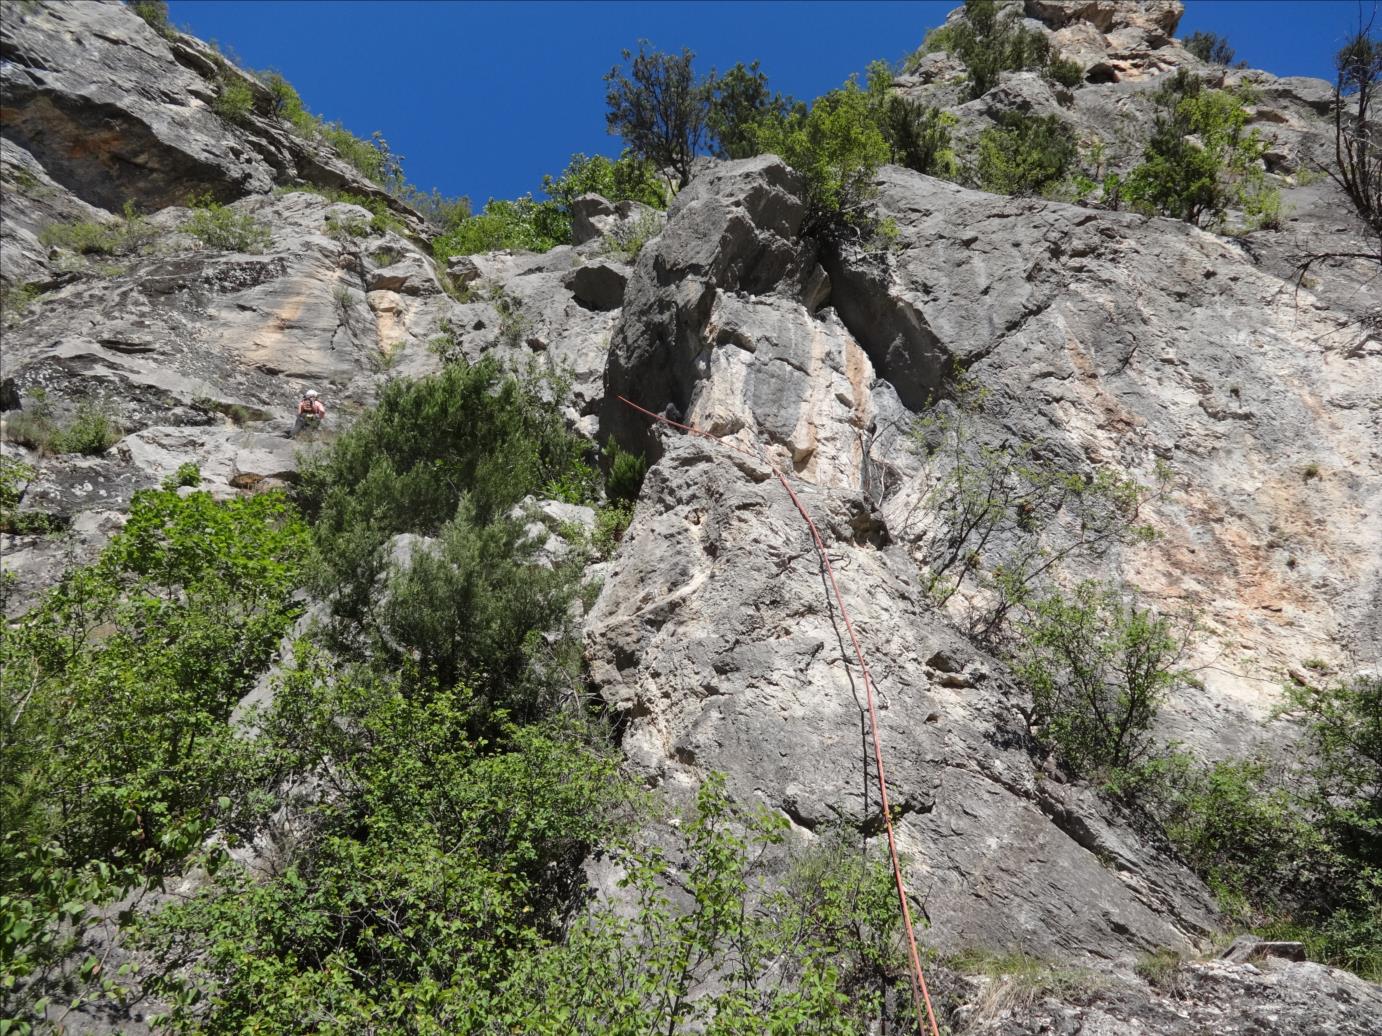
(837, 146)
(1210, 47)
(738, 101)
(659, 107)
(990, 43)
(1357, 130)
(1098, 668)
(1024, 154)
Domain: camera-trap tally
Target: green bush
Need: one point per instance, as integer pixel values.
(187, 474)
(1201, 158)
(88, 237)
(113, 709)
(1065, 72)
(1098, 668)
(15, 478)
(918, 137)
(1291, 850)
(91, 431)
(226, 230)
(522, 224)
(737, 103)
(820, 955)
(628, 178)
(155, 13)
(659, 107)
(837, 146)
(626, 471)
(234, 99)
(1210, 47)
(1025, 154)
(471, 434)
(991, 41)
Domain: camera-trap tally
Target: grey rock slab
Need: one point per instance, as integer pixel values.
(716, 640)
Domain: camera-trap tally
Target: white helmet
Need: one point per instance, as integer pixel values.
(311, 393)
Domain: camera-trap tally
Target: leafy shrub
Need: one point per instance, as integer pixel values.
(234, 99)
(155, 13)
(990, 41)
(15, 301)
(737, 103)
(1210, 47)
(1003, 521)
(820, 955)
(220, 227)
(113, 709)
(1098, 668)
(626, 471)
(342, 227)
(187, 474)
(15, 478)
(918, 137)
(658, 106)
(628, 178)
(521, 224)
(1065, 72)
(1291, 849)
(88, 237)
(1201, 158)
(837, 146)
(627, 239)
(91, 431)
(471, 433)
(1024, 154)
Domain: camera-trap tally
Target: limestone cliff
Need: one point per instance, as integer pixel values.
(1116, 339)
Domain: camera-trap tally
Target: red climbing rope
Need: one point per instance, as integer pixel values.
(920, 994)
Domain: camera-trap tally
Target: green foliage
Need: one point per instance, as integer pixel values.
(1292, 849)
(15, 478)
(918, 137)
(815, 956)
(659, 108)
(155, 13)
(991, 41)
(90, 431)
(1004, 521)
(470, 435)
(113, 705)
(837, 146)
(522, 224)
(611, 522)
(1067, 73)
(187, 474)
(737, 103)
(439, 861)
(15, 301)
(234, 99)
(89, 237)
(628, 178)
(1025, 154)
(627, 239)
(222, 228)
(1098, 668)
(1210, 47)
(626, 471)
(1201, 159)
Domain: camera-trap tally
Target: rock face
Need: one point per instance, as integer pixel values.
(1111, 339)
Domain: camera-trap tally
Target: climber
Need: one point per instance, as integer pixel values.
(311, 412)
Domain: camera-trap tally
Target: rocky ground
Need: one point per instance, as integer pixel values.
(1115, 339)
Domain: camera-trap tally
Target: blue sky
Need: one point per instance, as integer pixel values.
(483, 98)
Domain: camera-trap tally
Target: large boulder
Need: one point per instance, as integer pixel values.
(732, 230)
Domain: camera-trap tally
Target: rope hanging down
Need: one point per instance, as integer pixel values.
(921, 996)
